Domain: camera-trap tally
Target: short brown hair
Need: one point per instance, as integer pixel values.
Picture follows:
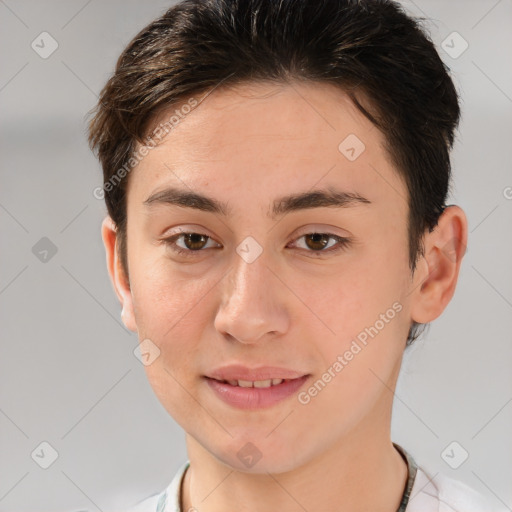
(370, 49)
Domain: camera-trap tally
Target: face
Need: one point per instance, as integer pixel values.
(270, 282)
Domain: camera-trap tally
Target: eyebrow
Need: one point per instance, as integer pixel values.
(319, 198)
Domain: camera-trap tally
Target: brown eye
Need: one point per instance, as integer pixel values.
(317, 241)
(319, 244)
(194, 241)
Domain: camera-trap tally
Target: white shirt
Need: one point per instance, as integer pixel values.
(423, 493)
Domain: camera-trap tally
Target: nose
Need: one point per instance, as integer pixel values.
(253, 302)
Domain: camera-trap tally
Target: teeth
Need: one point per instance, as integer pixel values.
(245, 384)
(255, 384)
(263, 383)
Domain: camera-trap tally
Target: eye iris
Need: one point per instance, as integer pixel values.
(317, 238)
(192, 238)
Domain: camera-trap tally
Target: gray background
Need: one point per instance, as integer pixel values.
(68, 375)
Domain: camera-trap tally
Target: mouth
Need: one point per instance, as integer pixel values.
(258, 394)
(254, 384)
(237, 373)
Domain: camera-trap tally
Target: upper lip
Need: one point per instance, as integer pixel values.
(240, 372)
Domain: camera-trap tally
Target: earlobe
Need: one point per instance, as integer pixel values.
(116, 273)
(437, 273)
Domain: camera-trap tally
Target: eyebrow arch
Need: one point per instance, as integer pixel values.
(319, 198)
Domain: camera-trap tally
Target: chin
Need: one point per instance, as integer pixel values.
(259, 457)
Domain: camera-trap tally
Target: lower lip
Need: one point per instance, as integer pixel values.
(255, 398)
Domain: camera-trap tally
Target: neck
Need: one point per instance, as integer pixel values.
(362, 471)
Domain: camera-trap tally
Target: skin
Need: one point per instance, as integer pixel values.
(291, 307)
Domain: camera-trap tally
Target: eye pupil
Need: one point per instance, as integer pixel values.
(317, 237)
(192, 238)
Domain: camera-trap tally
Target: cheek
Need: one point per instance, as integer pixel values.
(355, 375)
(365, 309)
(167, 301)
(352, 301)
(173, 313)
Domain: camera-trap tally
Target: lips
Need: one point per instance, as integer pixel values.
(255, 397)
(236, 372)
(255, 384)
(254, 388)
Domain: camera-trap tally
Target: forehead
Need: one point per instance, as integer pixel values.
(227, 117)
(271, 139)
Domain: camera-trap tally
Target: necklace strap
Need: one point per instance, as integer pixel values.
(412, 469)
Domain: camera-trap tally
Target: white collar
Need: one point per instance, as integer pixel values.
(439, 493)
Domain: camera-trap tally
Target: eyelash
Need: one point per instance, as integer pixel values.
(343, 243)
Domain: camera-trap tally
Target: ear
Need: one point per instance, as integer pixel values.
(437, 271)
(117, 275)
